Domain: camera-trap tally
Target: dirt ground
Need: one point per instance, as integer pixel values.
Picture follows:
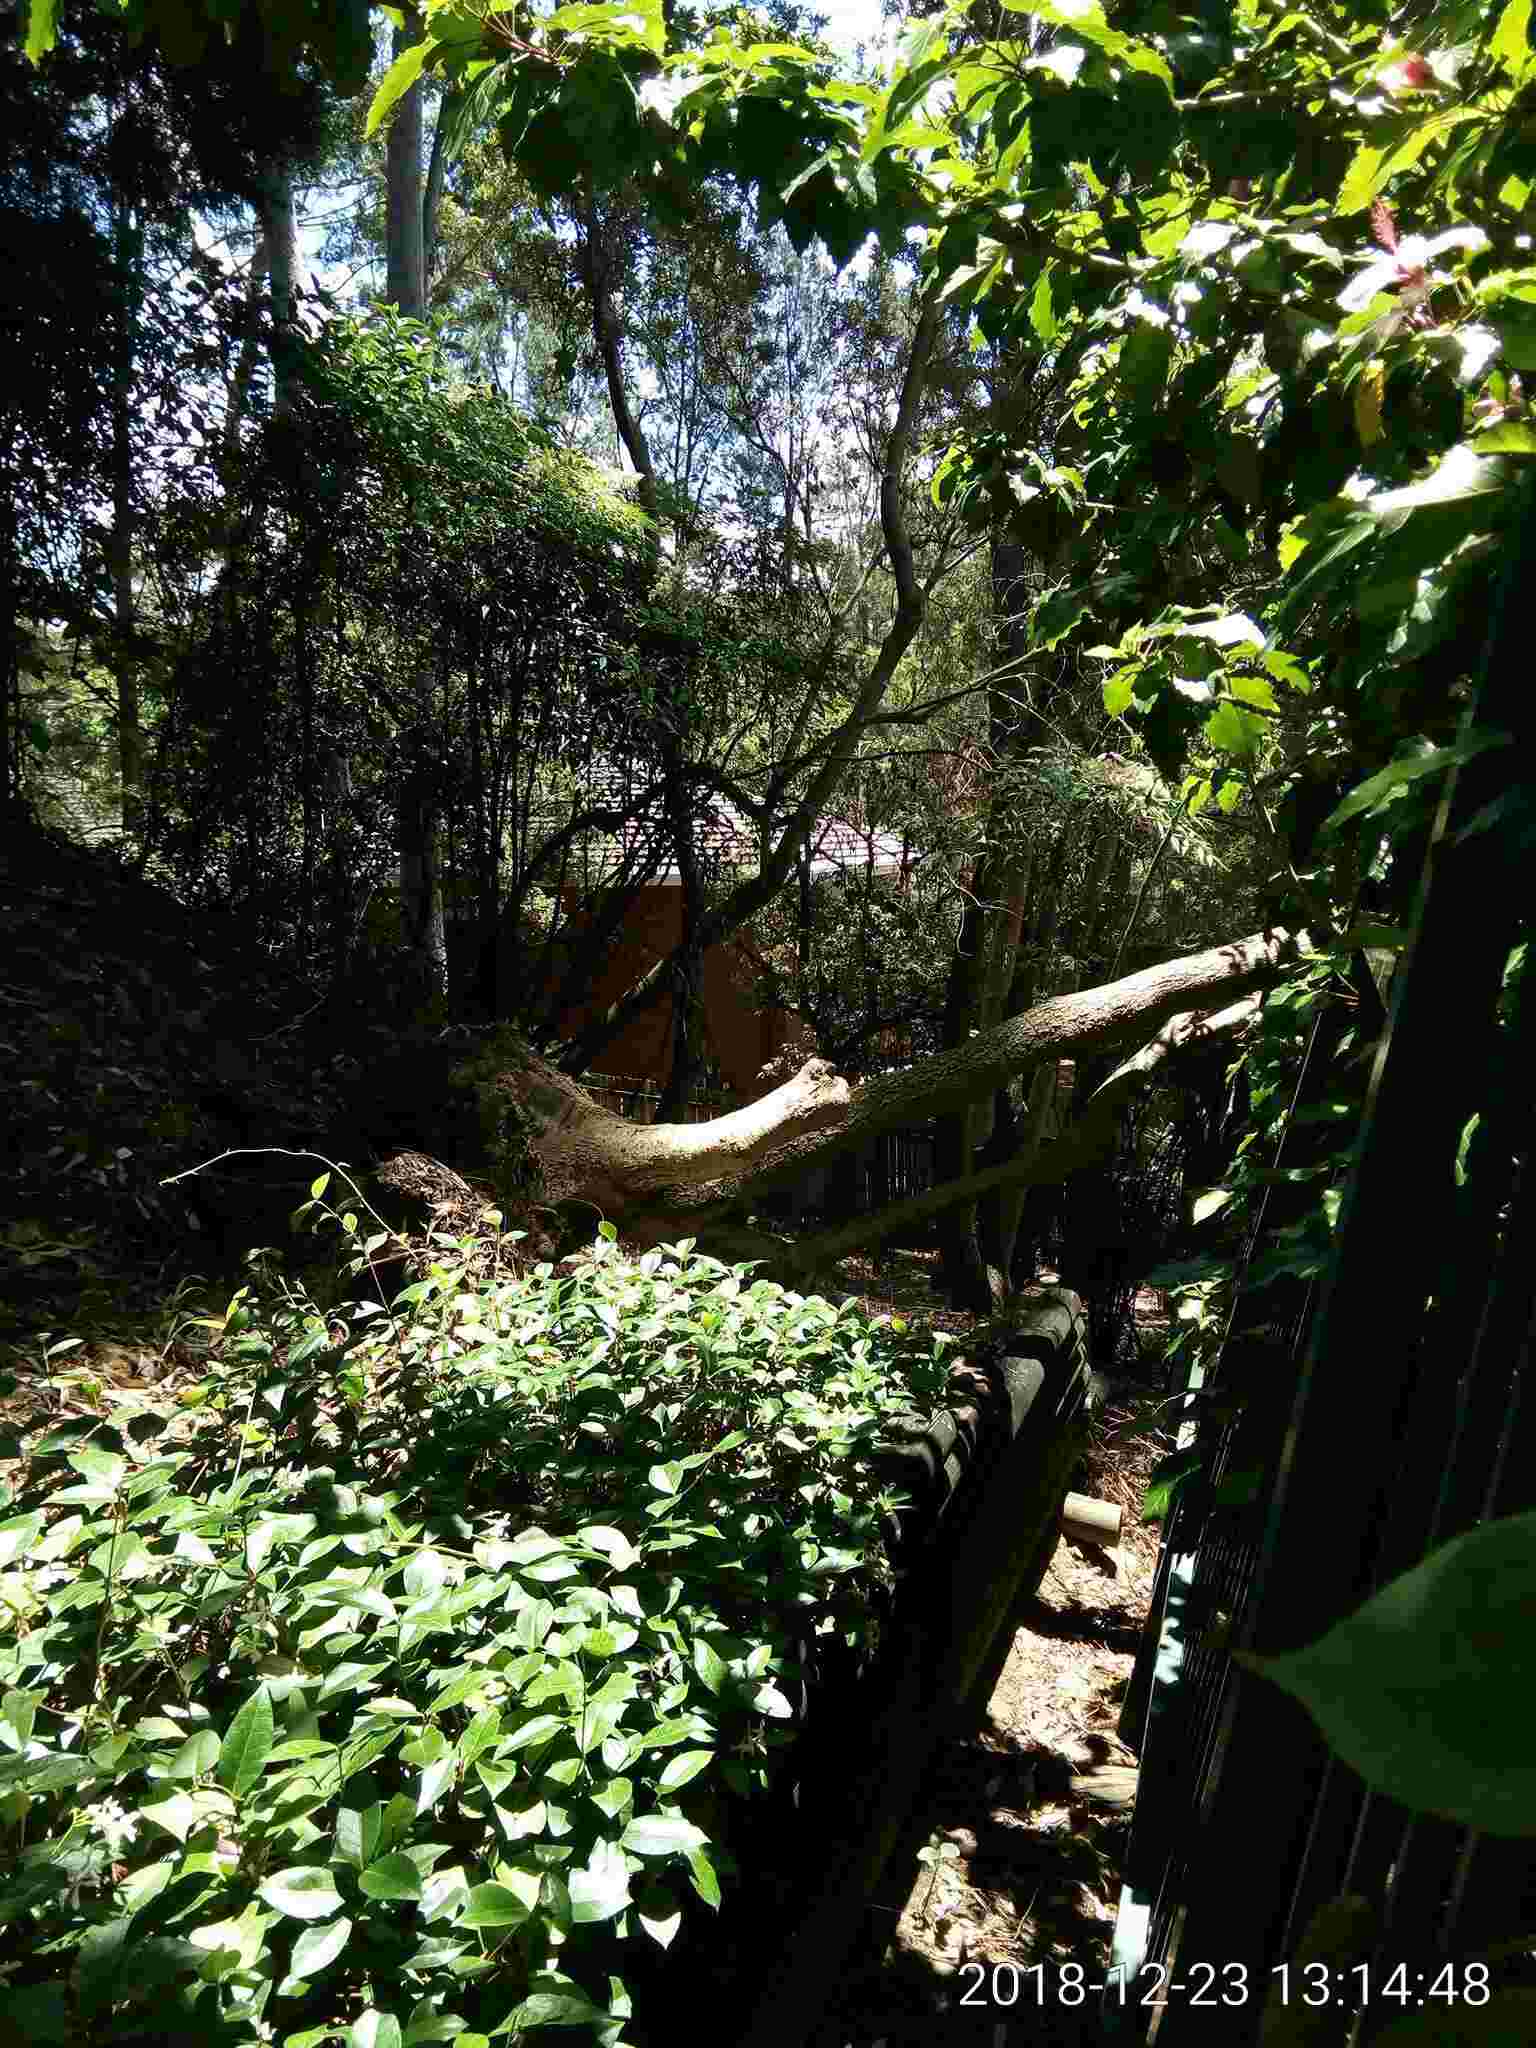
(1013, 1865)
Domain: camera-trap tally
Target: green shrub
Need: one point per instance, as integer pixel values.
(388, 1687)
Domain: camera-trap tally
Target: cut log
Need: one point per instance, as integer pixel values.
(1107, 1785)
(1087, 1520)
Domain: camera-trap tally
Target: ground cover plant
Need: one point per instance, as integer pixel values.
(395, 1683)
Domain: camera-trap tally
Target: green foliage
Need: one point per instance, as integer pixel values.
(392, 1684)
(338, 38)
(1423, 1690)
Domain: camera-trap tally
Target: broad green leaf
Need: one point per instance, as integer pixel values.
(539, 1729)
(614, 1545)
(315, 1950)
(1425, 1690)
(99, 1963)
(1042, 314)
(307, 1891)
(1408, 768)
(703, 1877)
(1055, 616)
(1121, 689)
(197, 1755)
(614, 1798)
(637, 22)
(493, 1905)
(684, 1767)
(1463, 472)
(178, 1815)
(1234, 730)
(434, 1781)
(375, 2029)
(601, 1889)
(1510, 44)
(357, 1833)
(393, 86)
(480, 1734)
(99, 1465)
(659, 1914)
(392, 1877)
(1255, 690)
(247, 1744)
(708, 1663)
(428, 1748)
(1285, 668)
(1372, 169)
(443, 1892)
(1509, 439)
(42, 28)
(1086, 18)
(552, 2009)
(1168, 1479)
(426, 1574)
(659, 1834)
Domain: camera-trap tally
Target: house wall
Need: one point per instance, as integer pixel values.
(741, 1036)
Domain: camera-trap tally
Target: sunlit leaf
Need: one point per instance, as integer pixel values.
(1425, 1689)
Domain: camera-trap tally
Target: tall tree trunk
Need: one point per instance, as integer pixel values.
(432, 197)
(340, 879)
(423, 931)
(422, 928)
(977, 1242)
(128, 264)
(688, 992)
(11, 799)
(404, 250)
(280, 234)
(597, 272)
(962, 1273)
(739, 905)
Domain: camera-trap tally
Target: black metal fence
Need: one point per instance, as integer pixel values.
(1392, 1408)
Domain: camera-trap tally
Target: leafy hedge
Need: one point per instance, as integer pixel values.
(391, 1688)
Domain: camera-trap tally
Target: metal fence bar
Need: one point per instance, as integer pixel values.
(1271, 1803)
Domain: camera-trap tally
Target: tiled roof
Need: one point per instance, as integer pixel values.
(725, 840)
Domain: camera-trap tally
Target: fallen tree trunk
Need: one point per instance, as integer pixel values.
(1089, 1138)
(658, 1181)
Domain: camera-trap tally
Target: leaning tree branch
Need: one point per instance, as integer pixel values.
(1090, 1139)
(749, 897)
(1060, 1028)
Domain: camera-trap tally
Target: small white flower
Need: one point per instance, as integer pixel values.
(115, 1826)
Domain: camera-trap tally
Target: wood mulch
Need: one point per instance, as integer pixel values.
(1026, 1821)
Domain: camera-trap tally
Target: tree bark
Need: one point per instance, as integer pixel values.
(657, 1180)
(128, 255)
(404, 251)
(688, 990)
(422, 927)
(432, 196)
(1089, 1138)
(280, 234)
(741, 904)
(597, 271)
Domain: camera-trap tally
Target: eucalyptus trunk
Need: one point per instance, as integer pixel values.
(422, 926)
(128, 263)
